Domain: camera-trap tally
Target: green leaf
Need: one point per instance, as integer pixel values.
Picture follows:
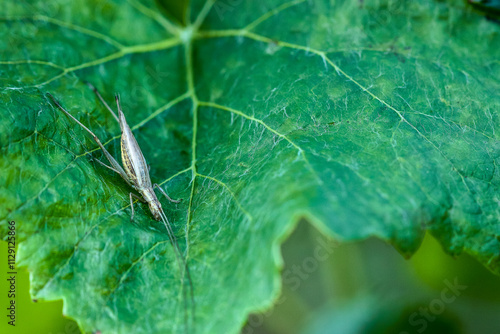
(372, 118)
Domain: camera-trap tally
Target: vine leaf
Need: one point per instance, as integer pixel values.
(368, 118)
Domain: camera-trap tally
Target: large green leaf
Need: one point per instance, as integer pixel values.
(371, 118)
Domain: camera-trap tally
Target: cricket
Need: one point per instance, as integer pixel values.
(135, 172)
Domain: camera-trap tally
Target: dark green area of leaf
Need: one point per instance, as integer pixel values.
(176, 10)
(491, 8)
(373, 118)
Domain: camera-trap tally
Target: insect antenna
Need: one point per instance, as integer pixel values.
(102, 100)
(183, 267)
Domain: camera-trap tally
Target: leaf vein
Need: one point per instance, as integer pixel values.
(238, 203)
(160, 19)
(322, 54)
(272, 12)
(242, 114)
(67, 25)
(133, 264)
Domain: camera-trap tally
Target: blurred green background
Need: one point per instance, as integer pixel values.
(368, 287)
(331, 287)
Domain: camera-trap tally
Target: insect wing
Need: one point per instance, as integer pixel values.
(133, 160)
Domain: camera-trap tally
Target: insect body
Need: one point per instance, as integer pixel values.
(135, 172)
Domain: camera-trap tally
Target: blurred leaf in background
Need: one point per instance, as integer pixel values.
(368, 288)
(369, 118)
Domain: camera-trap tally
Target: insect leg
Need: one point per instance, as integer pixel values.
(132, 207)
(132, 203)
(102, 100)
(114, 163)
(165, 194)
(102, 163)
